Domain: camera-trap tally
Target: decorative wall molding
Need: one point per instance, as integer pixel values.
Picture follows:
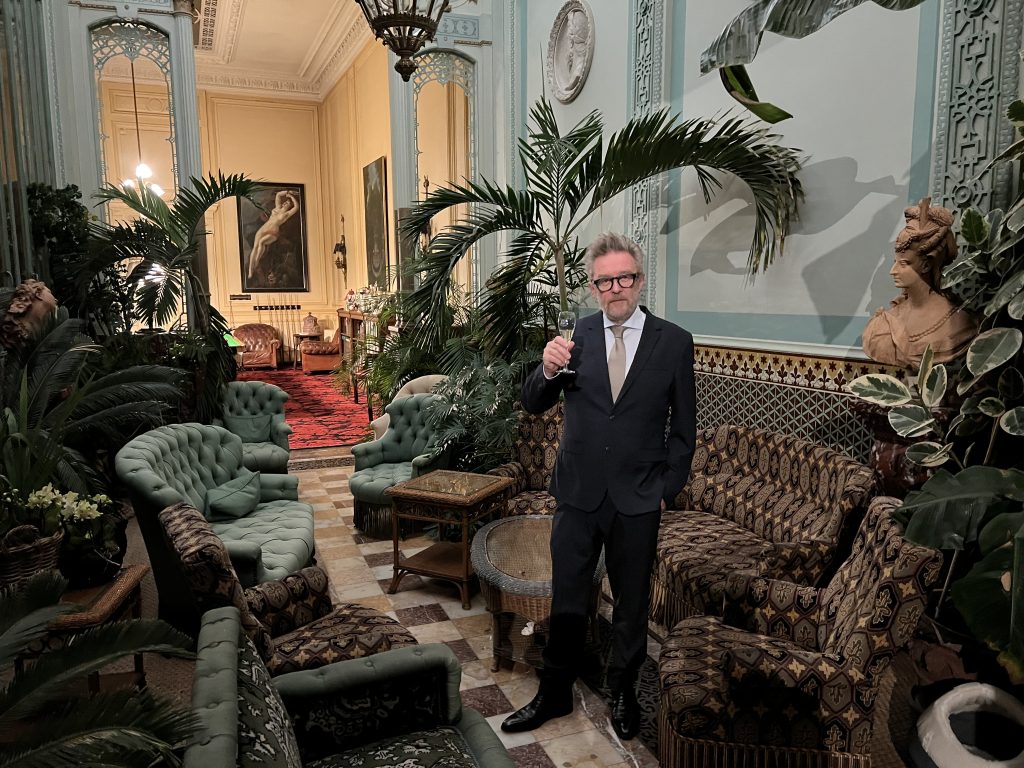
(207, 25)
(457, 28)
(224, 78)
(570, 50)
(979, 65)
(645, 60)
(514, 65)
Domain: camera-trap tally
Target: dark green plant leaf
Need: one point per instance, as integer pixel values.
(881, 389)
(929, 454)
(958, 273)
(1008, 291)
(947, 510)
(999, 531)
(911, 420)
(982, 600)
(974, 227)
(1015, 113)
(933, 388)
(1011, 384)
(737, 83)
(972, 424)
(1012, 422)
(1015, 308)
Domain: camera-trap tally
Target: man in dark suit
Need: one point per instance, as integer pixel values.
(625, 454)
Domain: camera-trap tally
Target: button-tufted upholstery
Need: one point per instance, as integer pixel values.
(262, 346)
(179, 463)
(321, 355)
(399, 707)
(291, 621)
(255, 409)
(412, 387)
(535, 451)
(405, 451)
(757, 502)
(801, 668)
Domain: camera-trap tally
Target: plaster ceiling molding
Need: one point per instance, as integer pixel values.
(258, 84)
(570, 50)
(207, 24)
(338, 48)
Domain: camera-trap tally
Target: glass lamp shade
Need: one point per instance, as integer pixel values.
(231, 341)
(404, 26)
(143, 171)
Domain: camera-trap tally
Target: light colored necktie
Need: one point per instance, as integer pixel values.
(617, 362)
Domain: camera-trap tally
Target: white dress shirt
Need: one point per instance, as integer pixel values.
(633, 328)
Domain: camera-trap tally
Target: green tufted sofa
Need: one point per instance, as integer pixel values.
(254, 410)
(400, 707)
(405, 451)
(180, 463)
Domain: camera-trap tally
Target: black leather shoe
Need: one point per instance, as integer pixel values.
(546, 705)
(626, 714)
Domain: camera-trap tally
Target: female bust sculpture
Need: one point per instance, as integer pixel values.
(922, 315)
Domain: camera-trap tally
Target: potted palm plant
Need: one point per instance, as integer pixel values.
(570, 175)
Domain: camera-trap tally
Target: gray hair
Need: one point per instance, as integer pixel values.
(609, 242)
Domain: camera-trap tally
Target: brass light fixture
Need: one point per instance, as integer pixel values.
(341, 251)
(404, 26)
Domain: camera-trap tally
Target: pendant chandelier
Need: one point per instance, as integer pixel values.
(142, 171)
(404, 26)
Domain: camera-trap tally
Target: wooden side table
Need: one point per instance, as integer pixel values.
(443, 496)
(114, 601)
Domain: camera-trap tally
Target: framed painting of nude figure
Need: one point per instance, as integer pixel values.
(272, 239)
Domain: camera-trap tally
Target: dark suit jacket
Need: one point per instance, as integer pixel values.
(632, 449)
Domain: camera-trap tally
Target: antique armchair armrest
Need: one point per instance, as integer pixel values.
(759, 604)
(789, 677)
(279, 431)
(247, 560)
(368, 454)
(342, 705)
(801, 561)
(428, 462)
(514, 470)
(274, 487)
(286, 604)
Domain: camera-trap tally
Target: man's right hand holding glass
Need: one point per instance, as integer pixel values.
(556, 356)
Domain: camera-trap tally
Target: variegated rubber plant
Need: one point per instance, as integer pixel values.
(979, 509)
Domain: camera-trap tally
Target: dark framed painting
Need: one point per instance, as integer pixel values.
(375, 200)
(272, 239)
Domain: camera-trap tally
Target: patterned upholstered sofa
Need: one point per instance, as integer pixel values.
(291, 621)
(262, 346)
(760, 503)
(534, 460)
(796, 680)
(397, 708)
(190, 462)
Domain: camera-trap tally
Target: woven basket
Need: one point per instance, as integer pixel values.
(19, 563)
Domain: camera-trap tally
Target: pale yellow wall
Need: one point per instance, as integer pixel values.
(356, 121)
(322, 146)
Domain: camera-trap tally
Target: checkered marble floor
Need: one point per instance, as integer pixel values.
(360, 571)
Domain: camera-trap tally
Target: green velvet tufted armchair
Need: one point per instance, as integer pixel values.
(405, 451)
(254, 410)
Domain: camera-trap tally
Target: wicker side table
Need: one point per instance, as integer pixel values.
(512, 559)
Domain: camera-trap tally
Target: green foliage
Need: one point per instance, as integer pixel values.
(569, 177)
(58, 727)
(60, 409)
(474, 414)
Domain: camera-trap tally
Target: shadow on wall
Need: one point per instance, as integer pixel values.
(855, 274)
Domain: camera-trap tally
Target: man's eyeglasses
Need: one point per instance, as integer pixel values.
(604, 284)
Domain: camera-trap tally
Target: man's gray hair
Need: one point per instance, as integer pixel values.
(608, 242)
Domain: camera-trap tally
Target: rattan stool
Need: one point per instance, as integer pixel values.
(512, 559)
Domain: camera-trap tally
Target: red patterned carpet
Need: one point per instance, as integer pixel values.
(320, 414)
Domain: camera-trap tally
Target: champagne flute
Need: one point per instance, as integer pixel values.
(566, 326)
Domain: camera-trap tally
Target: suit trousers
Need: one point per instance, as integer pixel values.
(629, 543)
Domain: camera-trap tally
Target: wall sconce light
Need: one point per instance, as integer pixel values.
(341, 251)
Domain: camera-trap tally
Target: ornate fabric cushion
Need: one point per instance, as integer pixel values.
(532, 503)
(351, 632)
(434, 748)
(251, 428)
(236, 498)
(265, 735)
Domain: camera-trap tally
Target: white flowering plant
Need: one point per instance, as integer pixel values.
(41, 513)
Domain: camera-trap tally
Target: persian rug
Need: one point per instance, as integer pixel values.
(320, 413)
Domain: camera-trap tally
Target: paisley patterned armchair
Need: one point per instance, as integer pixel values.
(262, 346)
(798, 676)
(534, 454)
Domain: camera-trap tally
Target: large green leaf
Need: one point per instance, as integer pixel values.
(983, 601)
(958, 273)
(1016, 307)
(911, 420)
(929, 454)
(974, 227)
(1011, 384)
(947, 510)
(1015, 113)
(992, 406)
(881, 389)
(933, 388)
(991, 349)
(999, 531)
(737, 83)
(1009, 290)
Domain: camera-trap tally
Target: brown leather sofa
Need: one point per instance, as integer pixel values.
(321, 355)
(262, 346)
